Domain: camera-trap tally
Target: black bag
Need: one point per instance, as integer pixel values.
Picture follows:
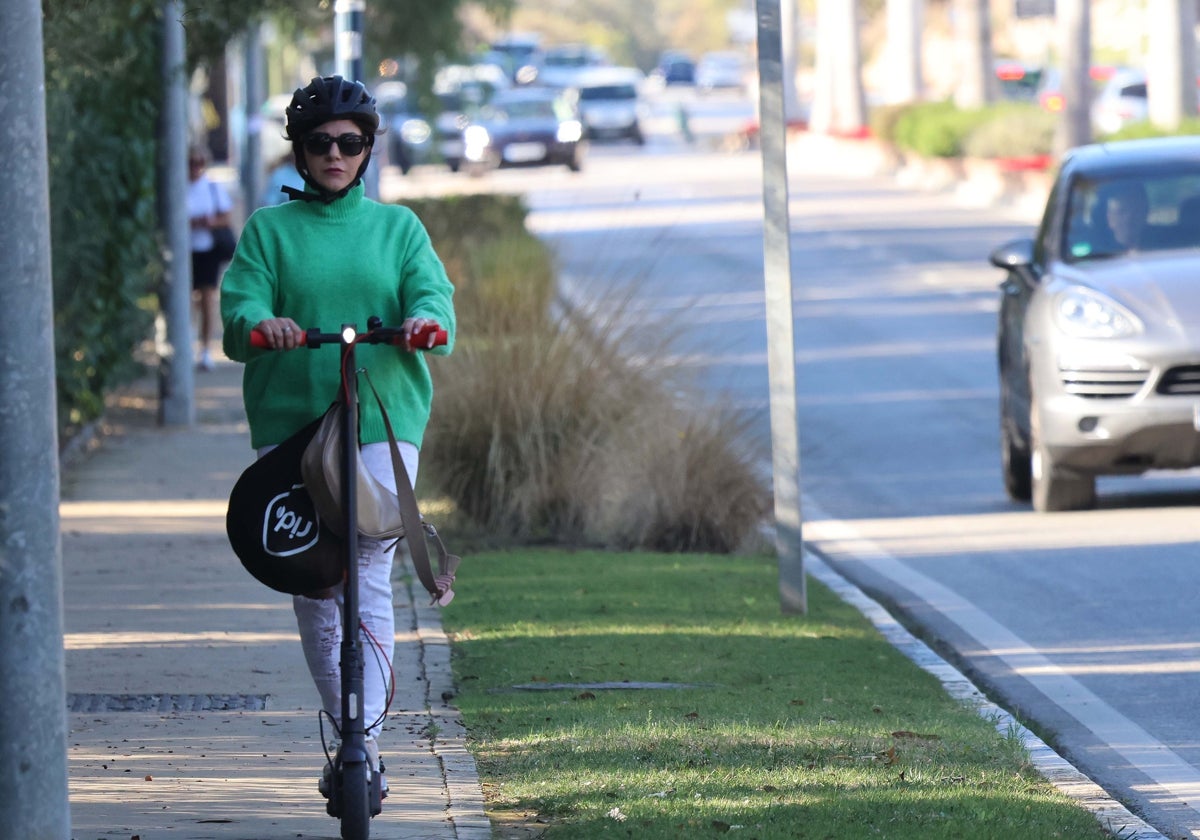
(224, 242)
(274, 528)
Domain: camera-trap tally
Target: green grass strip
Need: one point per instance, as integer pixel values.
(794, 727)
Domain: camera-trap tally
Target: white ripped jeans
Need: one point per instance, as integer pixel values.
(320, 620)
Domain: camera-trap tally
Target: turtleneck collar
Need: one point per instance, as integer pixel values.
(339, 208)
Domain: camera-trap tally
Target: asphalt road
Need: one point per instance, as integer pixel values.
(1081, 624)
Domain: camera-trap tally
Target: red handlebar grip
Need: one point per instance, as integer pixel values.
(257, 339)
(420, 339)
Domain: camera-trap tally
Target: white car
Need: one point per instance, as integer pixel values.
(610, 100)
(1121, 101)
(729, 70)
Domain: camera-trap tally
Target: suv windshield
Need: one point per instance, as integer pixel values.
(1139, 212)
(592, 94)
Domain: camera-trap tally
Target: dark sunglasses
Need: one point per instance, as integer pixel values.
(351, 145)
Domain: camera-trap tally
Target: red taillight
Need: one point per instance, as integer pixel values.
(1010, 72)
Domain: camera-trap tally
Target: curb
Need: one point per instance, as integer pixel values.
(464, 791)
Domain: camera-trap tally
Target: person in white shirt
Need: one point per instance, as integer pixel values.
(209, 206)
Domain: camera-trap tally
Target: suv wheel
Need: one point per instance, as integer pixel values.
(1054, 489)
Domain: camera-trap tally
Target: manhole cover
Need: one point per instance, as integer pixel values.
(165, 702)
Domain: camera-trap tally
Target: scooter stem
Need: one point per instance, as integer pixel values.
(353, 726)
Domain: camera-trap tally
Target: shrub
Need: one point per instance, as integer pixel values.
(546, 428)
(933, 129)
(1145, 129)
(883, 119)
(940, 129)
(1013, 129)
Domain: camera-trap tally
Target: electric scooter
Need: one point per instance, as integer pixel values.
(355, 794)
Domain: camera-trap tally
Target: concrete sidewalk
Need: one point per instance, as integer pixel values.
(192, 714)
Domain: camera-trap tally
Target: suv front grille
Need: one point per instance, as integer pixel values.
(1183, 381)
(1115, 383)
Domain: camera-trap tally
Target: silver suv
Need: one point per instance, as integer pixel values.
(611, 103)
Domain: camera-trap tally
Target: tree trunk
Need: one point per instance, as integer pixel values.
(1171, 62)
(973, 31)
(1075, 45)
(905, 76)
(839, 101)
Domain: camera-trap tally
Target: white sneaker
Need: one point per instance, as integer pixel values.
(206, 361)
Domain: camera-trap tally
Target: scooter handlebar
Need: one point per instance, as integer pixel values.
(420, 338)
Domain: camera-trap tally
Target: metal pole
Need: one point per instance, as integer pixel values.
(33, 719)
(252, 162)
(176, 384)
(781, 346)
(348, 57)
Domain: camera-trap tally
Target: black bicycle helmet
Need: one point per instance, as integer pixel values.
(328, 98)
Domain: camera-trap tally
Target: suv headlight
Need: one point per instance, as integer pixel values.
(1081, 312)
(569, 131)
(476, 135)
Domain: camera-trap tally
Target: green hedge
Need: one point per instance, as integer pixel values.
(1141, 130)
(941, 129)
(101, 106)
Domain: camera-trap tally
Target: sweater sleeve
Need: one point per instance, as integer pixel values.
(247, 293)
(425, 287)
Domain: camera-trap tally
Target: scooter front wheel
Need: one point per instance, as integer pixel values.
(356, 805)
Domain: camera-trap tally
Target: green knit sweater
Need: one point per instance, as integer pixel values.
(325, 265)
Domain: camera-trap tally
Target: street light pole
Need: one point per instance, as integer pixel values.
(177, 403)
(33, 720)
(781, 318)
(348, 57)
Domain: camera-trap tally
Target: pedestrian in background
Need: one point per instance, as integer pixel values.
(209, 207)
(282, 174)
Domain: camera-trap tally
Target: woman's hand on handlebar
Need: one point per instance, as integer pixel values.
(280, 333)
(414, 326)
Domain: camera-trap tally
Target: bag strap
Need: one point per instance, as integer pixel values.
(409, 514)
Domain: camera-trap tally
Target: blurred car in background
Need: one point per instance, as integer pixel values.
(561, 66)
(675, 68)
(408, 139)
(525, 126)
(1121, 101)
(1097, 339)
(722, 70)
(517, 55)
(1050, 93)
(610, 101)
(462, 90)
(1017, 81)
